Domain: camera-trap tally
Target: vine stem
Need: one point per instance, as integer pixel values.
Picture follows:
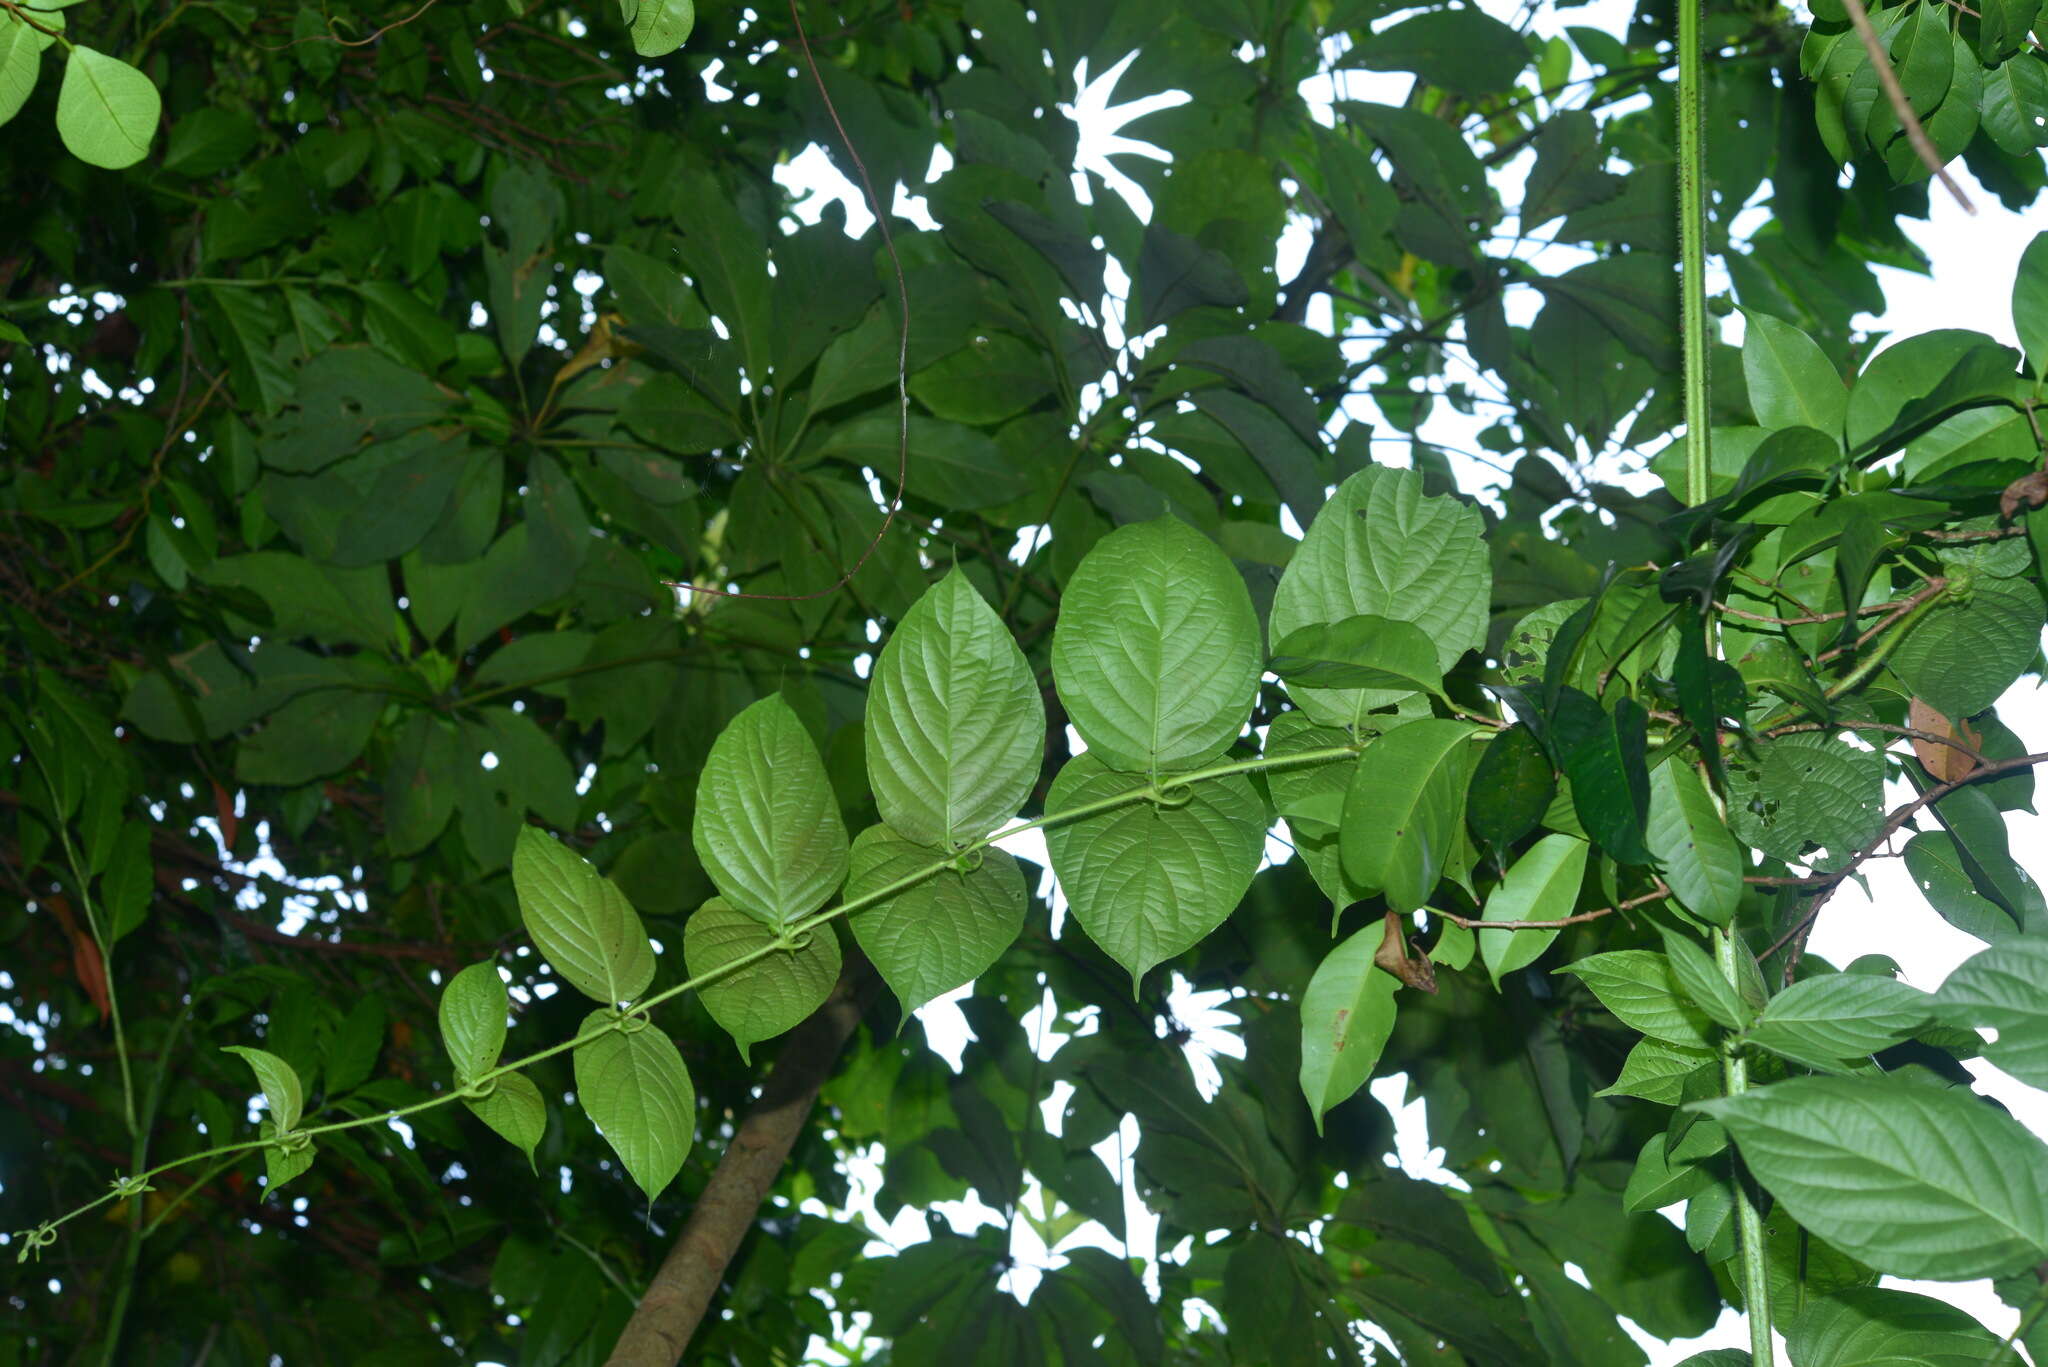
(1162, 789)
(1692, 238)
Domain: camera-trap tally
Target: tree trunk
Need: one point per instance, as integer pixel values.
(689, 1278)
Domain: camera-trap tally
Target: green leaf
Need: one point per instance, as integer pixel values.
(955, 726)
(21, 58)
(1347, 1013)
(1915, 1181)
(1604, 753)
(107, 111)
(1401, 813)
(661, 26)
(1962, 655)
(769, 995)
(1840, 1016)
(1310, 797)
(1659, 1072)
(1543, 885)
(1701, 862)
(1869, 1326)
(2000, 988)
(767, 827)
(1703, 983)
(947, 929)
(1149, 880)
(1936, 864)
(1804, 790)
(1461, 50)
(993, 377)
(515, 1109)
(634, 1087)
(473, 1009)
(1668, 1170)
(1638, 986)
(580, 920)
(1512, 787)
(1156, 652)
(281, 1165)
(1359, 652)
(281, 1087)
(952, 465)
(1791, 381)
(1177, 273)
(2014, 107)
(1381, 547)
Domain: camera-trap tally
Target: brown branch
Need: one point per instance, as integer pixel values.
(1661, 890)
(1898, 818)
(681, 1292)
(1923, 146)
(1898, 609)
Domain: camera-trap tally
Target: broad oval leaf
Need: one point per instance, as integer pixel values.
(1791, 381)
(1147, 880)
(580, 920)
(636, 1091)
(1638, 987)
(281, 1087)
(767, 827)
(21, 58)
(1402, 810)
(515, 1109)
(1310, 798)
(1701, 862)
(945, 930)
(661, 26)
(107, 111)
(1347, 1013)
(1962, 655)
(1840, 1016)
(772, 993)
(473, 1009)
(1871, 1326)
(1804, 790)
(1359, 652)
(281, 1165)
(1156, 653)
(1660, 1072)
(955, 726)
(1915, 1180)
(2001, 988)
(1382, 547)
(1543, 885)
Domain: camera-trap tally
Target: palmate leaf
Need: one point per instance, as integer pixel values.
(955, 727)
(1916, 1181)
(1156, 651)
(1149, 880)
(634, 1087)
(580, 920)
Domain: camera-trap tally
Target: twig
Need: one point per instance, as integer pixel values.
(1661, 890)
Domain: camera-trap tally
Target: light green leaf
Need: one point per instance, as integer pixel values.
(1346, 1015)
(1638, 987)
(473, 1010)
(107, 111)
(1402, 811)
(1701, 862)
(2015, 113)
(281, 1087)
(515, 1109)
(1543, 885)
(1156, 654)
(21, 58)
(1870, 1326)
(1383, 548)
(580, 920)
(2002, 988)
(767, 827)
(1915, 1181)
(1656, 1071)
(770, 994)
(1359, 652)
(1703, 983)
(636, 1091)
(661, 26)
(1149, 880)
(946, 930)
(281, 1165)
(1840, 1016)
(1791, 381)
(1963, 654)
(1666, 1171)
(955, 727)
(1310, 797)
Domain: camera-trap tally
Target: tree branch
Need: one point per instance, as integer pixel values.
(689, 1277)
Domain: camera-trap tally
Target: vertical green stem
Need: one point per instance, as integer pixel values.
(1692, 245)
